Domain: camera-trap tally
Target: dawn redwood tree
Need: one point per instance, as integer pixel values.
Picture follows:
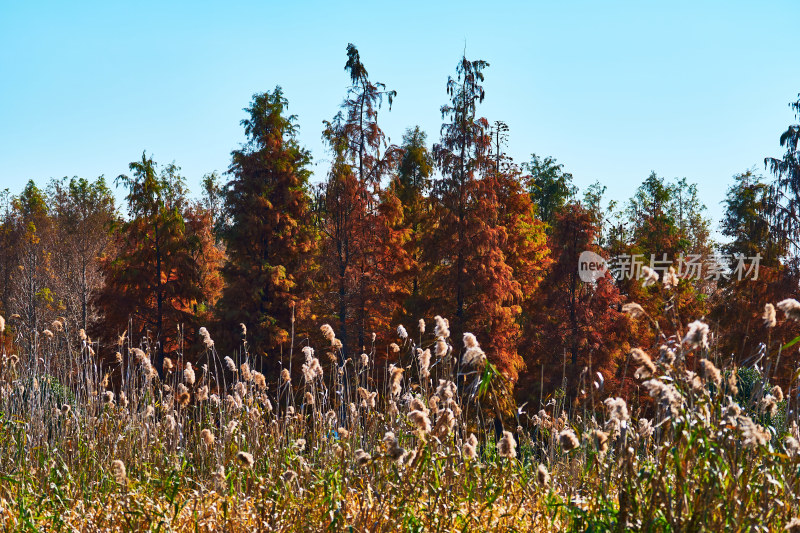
(477, 267)
(784, 200)
(341, 207)
(411, 185)
(525, 251)
(362, 250)
(460, 156)
(394, 269)
(738, 305)
(152, 282)
(209, 256)
(268, 232)
(571, 325)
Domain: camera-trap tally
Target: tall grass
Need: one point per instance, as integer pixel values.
(421, 435)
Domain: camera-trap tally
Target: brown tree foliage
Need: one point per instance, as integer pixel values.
(83, 213)
(573, 329)
(482, 241)
(28, 274)
(363, 256)
(268, 232)
(152, 284)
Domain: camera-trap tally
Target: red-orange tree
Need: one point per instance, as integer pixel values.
(152, 283)
(362, 252)
(209, 257)
(571, 325)
(269, 235)
(482, 242)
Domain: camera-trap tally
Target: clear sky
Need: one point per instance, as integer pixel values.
(612, 90)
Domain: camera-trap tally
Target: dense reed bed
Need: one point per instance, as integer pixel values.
(421, 435)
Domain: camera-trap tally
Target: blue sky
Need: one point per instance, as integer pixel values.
(613, 90)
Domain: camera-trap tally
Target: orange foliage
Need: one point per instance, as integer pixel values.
(572, 328)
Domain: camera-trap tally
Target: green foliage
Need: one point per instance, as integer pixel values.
(746, 220)
(747, 378)
(549, 186)
(784, 201)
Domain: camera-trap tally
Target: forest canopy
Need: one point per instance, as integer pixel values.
(443, 224)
